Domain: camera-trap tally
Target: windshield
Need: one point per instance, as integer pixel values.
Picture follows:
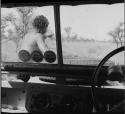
(88, 33)
(28, 31)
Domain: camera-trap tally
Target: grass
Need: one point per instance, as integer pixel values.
(88, 52)
(79, 52)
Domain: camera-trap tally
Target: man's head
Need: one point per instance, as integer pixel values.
(41, 23)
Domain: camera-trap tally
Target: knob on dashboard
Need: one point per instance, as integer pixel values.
(23, 77)
(69, 103)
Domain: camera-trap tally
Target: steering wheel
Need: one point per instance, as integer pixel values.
(96, 73)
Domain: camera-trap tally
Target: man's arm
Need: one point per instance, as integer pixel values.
(48, 34)
(41, 44)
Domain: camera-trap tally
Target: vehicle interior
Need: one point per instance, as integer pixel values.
(84, 72)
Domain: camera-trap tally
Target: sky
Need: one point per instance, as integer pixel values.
(93, 21)
(88, 21)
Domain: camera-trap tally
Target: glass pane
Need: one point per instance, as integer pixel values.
(90, 32)
(27, 34)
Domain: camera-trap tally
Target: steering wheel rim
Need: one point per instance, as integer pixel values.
(95, 75)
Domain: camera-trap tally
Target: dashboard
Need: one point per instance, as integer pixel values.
(53, 94)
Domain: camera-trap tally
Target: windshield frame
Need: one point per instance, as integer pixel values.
(56, 5)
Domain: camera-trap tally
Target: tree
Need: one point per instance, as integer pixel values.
(114, 36)
(20, 29)
(3, 26)
(122, 33)
(68, 31)
(26, 13)
(74, 37)
(118, 34)
(10, 18)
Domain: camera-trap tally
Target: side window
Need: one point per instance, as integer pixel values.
(25, 30)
